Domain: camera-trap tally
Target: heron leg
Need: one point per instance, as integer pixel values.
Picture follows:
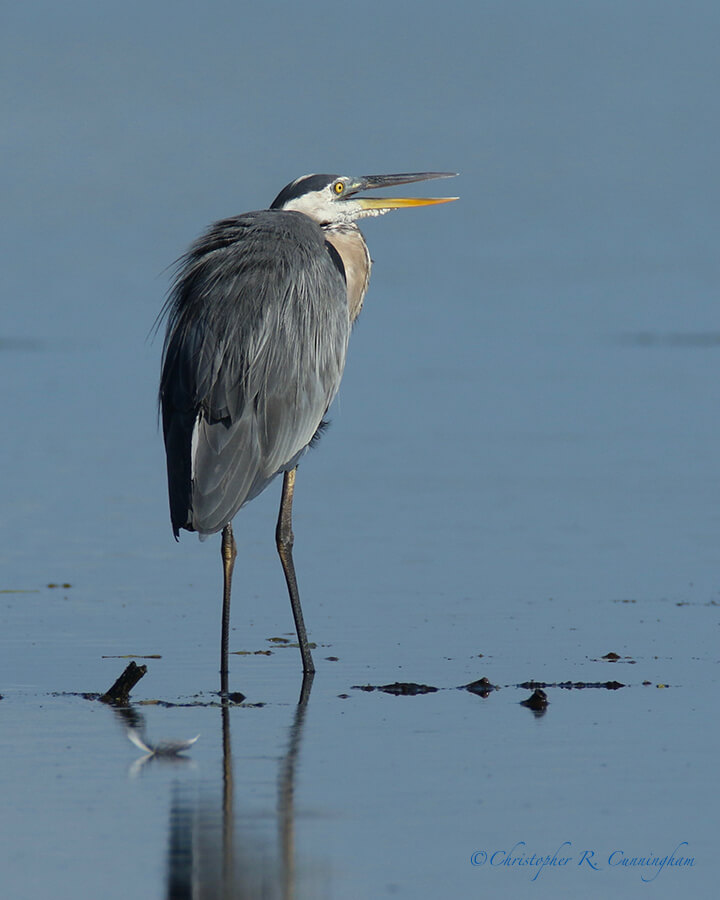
(228, 550)
(284, 539)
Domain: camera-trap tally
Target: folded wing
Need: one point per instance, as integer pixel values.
(255, 348)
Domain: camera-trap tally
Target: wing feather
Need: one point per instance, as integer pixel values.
(254, 352)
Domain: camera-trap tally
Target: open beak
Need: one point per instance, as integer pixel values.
(370, 182)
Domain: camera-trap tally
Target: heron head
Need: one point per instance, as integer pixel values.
(332, 199)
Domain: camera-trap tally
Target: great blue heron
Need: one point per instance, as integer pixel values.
(258, 322)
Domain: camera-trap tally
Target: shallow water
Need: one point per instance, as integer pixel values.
(520, 478)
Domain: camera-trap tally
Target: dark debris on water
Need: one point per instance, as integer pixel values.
(398, 688)
(537, 701)
(615, 657)
(483, 687)
(572, 685)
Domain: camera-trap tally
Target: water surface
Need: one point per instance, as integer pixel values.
(521, 474)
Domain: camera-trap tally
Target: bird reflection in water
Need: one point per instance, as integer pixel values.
(169, 751)
(216, 852)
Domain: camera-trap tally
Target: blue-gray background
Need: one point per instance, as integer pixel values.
(522, 462)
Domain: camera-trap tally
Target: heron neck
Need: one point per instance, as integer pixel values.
(347, 239)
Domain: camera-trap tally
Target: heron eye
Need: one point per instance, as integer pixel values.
(338, 187)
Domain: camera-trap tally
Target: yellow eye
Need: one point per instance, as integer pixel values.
(338, 187)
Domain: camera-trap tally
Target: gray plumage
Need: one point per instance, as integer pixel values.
(258, 322)
(258, 327)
